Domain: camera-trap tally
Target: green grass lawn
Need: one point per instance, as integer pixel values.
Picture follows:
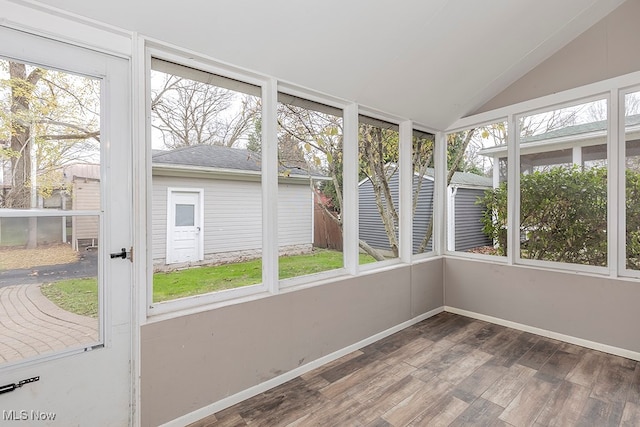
(80, 295)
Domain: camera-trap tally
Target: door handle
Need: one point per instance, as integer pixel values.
(123, 254)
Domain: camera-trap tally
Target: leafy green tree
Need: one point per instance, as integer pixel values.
(50, 117)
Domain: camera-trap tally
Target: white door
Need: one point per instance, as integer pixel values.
(184, 226)
(65, 329)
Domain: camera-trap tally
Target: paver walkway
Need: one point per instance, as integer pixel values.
(31, 325)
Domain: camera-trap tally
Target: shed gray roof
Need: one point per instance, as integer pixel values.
(465, 178)
(459, 178)
(217, 157)
(471, 179)
(210, 156)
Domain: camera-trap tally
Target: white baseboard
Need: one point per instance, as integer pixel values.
(549, 334)
(281, 379)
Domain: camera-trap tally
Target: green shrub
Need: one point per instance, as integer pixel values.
(563, 215)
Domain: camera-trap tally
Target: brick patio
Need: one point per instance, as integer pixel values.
(31, 325)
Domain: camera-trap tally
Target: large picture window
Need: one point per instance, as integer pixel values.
(422, 151)
(563, 185)
(206, 182)
(378, 190)
(477, 190)
(632, 181)
(310, 187)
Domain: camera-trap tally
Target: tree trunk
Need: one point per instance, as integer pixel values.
(22, 87)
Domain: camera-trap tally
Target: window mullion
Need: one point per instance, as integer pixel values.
(270, 186)
(406, 191)
(616, 209)
(513, 190)
(350, 189)
(440, 193)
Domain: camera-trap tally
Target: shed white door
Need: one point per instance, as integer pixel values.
(79, 353)
(185, 242)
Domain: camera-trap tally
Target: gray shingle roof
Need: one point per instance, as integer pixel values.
(471, 179)
(466, 178)
(210, 156)
(218, 157)
(580, 129)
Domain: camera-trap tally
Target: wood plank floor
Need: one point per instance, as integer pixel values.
(451, 370)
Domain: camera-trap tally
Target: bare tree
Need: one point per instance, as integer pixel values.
(187, 112)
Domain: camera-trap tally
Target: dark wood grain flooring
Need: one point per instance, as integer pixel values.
(451, 370)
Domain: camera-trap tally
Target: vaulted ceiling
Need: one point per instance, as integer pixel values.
(432, 61)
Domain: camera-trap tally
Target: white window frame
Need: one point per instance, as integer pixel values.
(323, 276)
(450, 210)
(146, 48)
(609, 89)
(405, 130)
(622, 183)
(167, 309)
(406, 196)
(516, 169)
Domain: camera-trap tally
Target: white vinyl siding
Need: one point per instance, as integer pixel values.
(86, 196)
(295, 215)
(233, 215)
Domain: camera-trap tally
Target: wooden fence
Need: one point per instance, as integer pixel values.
(326, 233)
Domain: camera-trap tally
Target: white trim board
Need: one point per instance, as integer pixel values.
(549, 334)
(281, 379)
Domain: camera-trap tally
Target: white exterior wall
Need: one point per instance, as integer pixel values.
(232, 217)
(86, 196)
(295, 215)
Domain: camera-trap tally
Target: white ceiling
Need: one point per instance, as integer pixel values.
(431, 61)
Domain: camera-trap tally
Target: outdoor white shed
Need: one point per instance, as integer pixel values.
(207, 207)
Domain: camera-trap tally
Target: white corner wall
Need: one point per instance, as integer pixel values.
(599, 312)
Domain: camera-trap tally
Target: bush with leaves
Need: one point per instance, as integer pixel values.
(633, 219)
(563, 215)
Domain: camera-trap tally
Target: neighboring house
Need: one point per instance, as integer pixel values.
(207, 207)
(79, 189)
(464, 230)
(582, 145)
(464, 225)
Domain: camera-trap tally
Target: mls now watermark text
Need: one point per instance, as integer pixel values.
(25, 415)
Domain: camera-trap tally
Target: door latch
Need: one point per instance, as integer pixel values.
(123, 254)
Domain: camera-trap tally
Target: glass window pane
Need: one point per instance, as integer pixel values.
(310, 187)
(563, 185)
(632, 162)
(206, 140)
(49, 167)
(48, 293)
(378, 190)
(423, 186)
(477, 190)
(185, 215)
